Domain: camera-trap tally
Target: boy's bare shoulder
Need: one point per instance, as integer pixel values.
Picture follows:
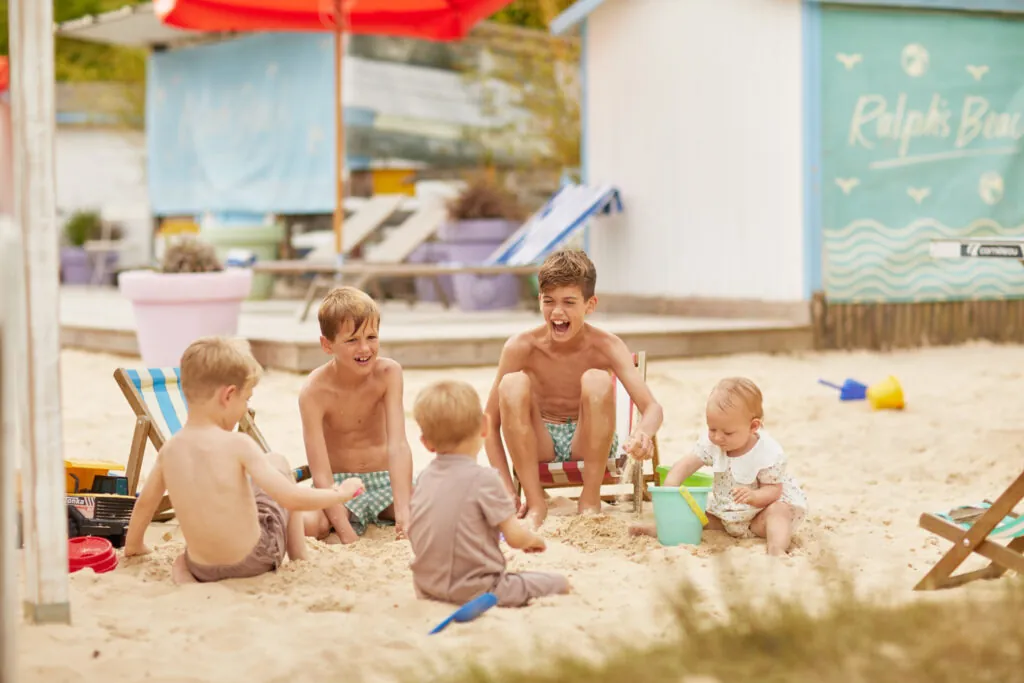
(522, 343)
(387, 368)
(605, 342)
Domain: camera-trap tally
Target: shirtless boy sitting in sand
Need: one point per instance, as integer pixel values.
(460, 508)
(554, 396)
(231, 499)
(353, 421)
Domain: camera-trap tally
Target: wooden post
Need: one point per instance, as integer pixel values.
(35, 336)
(339, 126)
(8, 508)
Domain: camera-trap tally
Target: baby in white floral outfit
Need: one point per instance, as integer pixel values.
(753, 495)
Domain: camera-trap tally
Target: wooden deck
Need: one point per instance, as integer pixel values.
(425, 335)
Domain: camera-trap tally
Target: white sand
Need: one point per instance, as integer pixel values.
(350, 612)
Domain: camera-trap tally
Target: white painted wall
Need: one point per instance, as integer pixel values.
(694, 110)
(105, 170)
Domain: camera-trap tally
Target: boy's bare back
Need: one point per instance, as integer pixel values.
(203, 469)
(555, 370)
(352, 417)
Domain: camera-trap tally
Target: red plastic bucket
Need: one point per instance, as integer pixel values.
(93, 552)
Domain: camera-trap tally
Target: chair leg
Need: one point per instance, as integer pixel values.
(967, 542)
(314, 288)
(137, 452)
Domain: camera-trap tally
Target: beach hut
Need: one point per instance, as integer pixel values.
(797, 158)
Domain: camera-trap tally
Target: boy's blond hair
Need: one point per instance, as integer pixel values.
(568, 268)
(210, 363)
(346, 303)
(448, 412)
(738, 392)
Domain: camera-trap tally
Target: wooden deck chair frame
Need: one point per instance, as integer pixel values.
(614, 468)
(1002, 558)
(147, 429)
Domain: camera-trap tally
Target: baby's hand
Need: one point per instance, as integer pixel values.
(537, 545)
(350, 488)
(743, 494)
(640, 446)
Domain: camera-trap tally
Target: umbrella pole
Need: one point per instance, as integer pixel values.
(339, 125)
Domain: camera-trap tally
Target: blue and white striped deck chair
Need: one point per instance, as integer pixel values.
(995, 521)
(156, 397)
(566, 212)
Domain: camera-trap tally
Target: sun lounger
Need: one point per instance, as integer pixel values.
(554, 475)
(156, 397)
(565, 213)
(978, 529)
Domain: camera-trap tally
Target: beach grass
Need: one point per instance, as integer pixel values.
(958, 637)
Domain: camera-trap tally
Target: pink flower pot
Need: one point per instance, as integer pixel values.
(174, 309)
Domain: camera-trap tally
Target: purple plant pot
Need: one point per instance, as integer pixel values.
(426, 287)
(74, 266)
(471, 242)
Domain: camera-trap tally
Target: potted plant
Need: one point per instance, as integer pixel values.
(191, 295)
(81, 227)
(77, 261)
(481, 217)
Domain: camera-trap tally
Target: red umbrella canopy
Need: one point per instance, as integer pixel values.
(429, 19)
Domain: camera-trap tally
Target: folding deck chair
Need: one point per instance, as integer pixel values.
(555, 475)
(156, 397)
(976, 529)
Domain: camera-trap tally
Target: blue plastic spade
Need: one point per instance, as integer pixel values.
(470, 611)
(852, 390)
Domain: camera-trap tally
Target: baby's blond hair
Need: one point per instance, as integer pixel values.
(346, 303)
(448, 412)
(210, 363)
(738, 392)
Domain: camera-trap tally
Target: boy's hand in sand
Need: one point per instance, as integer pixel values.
(350, 488)
(536, 544)
(640, 446)
(743, 494)
(136, 550)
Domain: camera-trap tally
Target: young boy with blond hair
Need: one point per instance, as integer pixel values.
(460, 509)
(231, 499)
(753, 494)
(553, 398)
(353, 421)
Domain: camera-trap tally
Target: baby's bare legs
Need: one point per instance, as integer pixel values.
(775, 524)
(528, 442)
(592, 441)
(180, 573)
(650, 529)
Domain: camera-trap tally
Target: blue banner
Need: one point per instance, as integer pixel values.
(243, 125)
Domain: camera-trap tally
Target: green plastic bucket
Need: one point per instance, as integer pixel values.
(695, 479)
(676, 522)
(263, 240)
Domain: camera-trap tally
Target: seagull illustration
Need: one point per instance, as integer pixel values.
(977, 71)
(849, 61)
(847, 184)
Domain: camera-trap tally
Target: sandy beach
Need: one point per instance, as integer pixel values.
(350, 612)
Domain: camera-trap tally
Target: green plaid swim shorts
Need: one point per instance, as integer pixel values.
(376, 497)
(561, 435)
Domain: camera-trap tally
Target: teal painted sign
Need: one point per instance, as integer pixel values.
(922, 125)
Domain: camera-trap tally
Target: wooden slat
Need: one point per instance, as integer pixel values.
(32, 114)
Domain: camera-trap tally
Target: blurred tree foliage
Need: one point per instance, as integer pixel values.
(78, 60)
(531, 13)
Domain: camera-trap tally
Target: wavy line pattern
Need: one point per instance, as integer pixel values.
(867, 261)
